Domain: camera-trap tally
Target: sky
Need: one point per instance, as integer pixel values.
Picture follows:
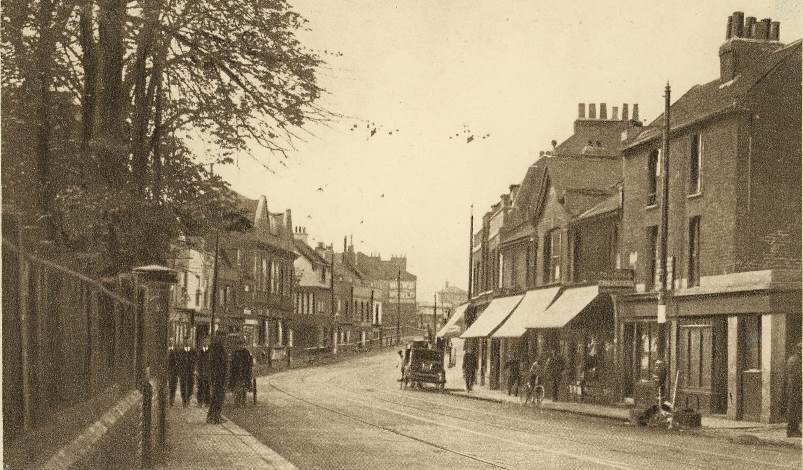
(513, 71)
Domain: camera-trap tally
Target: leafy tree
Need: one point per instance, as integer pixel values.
(120, 89)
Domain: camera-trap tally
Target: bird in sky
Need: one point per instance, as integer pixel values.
(382, 195)
(320, 189)
(469, 139)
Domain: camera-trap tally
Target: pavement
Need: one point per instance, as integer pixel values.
(194, 444)
(742, 432)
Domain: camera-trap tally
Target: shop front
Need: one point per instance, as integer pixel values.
(576, 335)
(485, 325)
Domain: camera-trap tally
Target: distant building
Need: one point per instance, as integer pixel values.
(312, 295)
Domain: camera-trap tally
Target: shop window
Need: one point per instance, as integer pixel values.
(695, 164)
(653, 172)
(647, 334)
(694, 252)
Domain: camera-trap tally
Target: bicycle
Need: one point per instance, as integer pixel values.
(532, 394)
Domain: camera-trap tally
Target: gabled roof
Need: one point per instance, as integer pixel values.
(701, 102)
(307, 252)
(610, 204)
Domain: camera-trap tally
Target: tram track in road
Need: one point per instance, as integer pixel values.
(585, 459)
(567, 433)
(388, 429)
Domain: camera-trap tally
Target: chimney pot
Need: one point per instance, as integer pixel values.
(729, 28)
(625, 112)
(749, 24)
(603, 111)
(592, 110)
(635, 111)
(541, 153)
(738, 24)
(775, 31)
(615, 113)
(581, 110)
(763, 29)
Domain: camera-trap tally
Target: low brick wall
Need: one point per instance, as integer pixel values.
(113, 441)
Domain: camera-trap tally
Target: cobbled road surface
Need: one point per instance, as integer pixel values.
(353, 415)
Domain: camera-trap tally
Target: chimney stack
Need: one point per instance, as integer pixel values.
(635, 111)
(581, 111)
(750, 26)
(592, 110)
(603, 111)
(625, 112)
(615, 113)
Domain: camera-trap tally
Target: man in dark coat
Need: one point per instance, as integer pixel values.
(513, 378)
(172, 370)
(218, 369)
(186, 367)
(202, 374)
(469, 369)
(554, 368)
(240, 377)
(792, 391)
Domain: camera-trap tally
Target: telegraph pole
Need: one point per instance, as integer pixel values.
(662, 289)
(435, 318)
(398, 307)
(334, 312)
(471, 252)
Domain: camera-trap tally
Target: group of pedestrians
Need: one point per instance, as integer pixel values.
(209, 372)
(548, 366)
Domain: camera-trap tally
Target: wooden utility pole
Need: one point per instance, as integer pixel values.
(398, 307)
(334, 312)
(471, 252)
(435, 318)
(662, 289)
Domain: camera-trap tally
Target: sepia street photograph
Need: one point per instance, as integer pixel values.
(401, 234)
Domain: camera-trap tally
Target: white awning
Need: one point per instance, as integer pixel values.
(533, 305)
(451, 328)
(493, 316)
(570, 303)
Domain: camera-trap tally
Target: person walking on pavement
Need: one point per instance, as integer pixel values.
(240, 377)
(792, 391)
(555, 367)
(469, 368)
(186, 367)
(202, 374)
(218, 368)
(513, 378)
(172, 370)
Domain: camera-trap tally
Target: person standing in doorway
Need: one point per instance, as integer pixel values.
(202, 374)
(792, 392)
(172, 370)
(218, 368)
